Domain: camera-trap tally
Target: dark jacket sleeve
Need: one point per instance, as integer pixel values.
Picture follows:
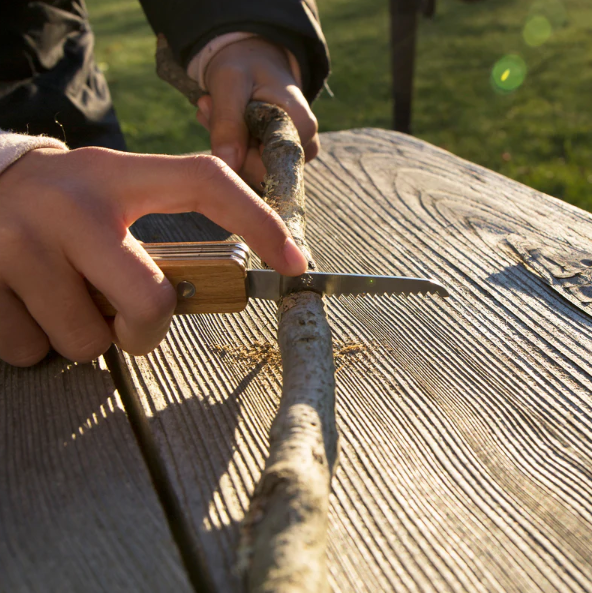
(189, 25)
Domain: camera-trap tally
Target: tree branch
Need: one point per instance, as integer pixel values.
(284, 535)
(283, 543)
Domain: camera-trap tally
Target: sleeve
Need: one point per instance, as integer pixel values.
(14, 146)
(189, 25)
(198, 65)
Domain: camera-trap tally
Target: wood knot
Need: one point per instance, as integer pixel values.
(567, 269)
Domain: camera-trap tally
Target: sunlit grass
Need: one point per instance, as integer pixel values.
(538, 132)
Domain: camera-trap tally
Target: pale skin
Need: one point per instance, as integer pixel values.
(65, 216)
(253, 69)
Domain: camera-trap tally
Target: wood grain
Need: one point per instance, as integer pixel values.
(218, 285)
(466, 423)
(77, 508)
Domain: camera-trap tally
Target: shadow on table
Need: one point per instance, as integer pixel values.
(74, 491)
(206, 443)
(77, 479)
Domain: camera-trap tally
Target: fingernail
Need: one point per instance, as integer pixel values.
(294, 257)
(229, 155)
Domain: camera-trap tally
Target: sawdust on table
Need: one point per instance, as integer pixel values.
(267, 354)
(258, 352)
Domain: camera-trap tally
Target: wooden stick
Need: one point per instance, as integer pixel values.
(283, 158)
(284, 535)
(283, 543)
(168, 70)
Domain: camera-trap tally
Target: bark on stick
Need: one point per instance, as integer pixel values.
(284, 535)
(168, 70)
(283, 544)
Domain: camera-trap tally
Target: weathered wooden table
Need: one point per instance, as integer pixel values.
(466, 424)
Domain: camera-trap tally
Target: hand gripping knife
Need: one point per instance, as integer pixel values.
(215, 278)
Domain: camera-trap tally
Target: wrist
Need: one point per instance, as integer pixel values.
(14, 146)
(197, 67)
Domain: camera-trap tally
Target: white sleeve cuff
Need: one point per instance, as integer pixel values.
(199, 63)
(14, 146)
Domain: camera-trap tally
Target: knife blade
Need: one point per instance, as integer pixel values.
(214, 277)
(269, 285)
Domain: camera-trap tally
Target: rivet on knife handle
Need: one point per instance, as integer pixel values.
(208, 277)
(213, 278)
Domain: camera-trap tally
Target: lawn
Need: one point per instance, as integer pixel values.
(529, 118)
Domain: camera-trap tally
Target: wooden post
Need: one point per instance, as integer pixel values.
(404, 14)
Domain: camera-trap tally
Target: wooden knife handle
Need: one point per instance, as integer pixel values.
(208, 277)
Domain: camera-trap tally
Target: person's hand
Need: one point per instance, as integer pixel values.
(64, 216)
(252, 69)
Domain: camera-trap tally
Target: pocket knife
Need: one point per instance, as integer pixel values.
(215, 278)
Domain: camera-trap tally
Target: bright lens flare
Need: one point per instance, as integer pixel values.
(508, 74)
(537, 30)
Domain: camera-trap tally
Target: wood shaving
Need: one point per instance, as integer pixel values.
(267, 354)
(259, 352)
(351, 352)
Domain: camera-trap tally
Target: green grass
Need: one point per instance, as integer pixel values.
(539, 134)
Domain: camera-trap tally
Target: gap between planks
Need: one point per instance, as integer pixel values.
(182, 534)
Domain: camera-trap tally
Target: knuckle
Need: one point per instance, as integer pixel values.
(304, 119)
(87, 152)
(309, 127)
(28, 354)
(312, 150)
(90, 160)
(205, 168)
(86, 344)
(90, 155)
(312, 153)
(157, 306)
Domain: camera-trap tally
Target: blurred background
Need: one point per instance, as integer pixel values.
(503, 83)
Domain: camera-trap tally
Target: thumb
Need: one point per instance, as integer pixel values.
(229, 135)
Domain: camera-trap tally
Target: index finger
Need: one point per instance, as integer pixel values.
(145, 184)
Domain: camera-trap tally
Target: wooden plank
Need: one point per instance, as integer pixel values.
(466, 424)
(77, 508)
